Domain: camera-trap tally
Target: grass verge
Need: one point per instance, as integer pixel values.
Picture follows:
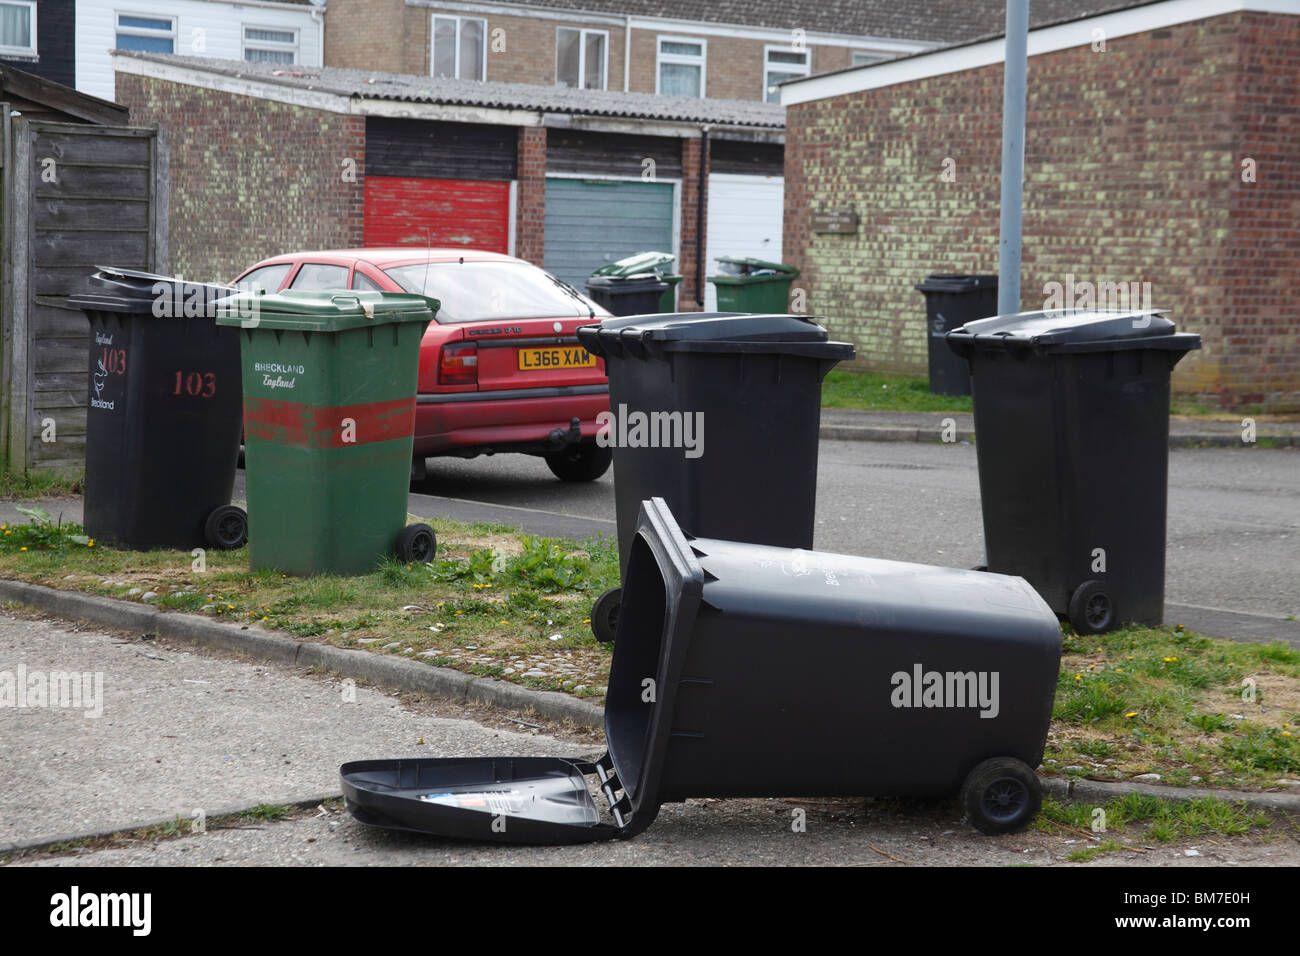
(1147, 819)
(498, 603)
(886, 393)
(495, 603)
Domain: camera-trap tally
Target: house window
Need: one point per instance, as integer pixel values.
(150, 34)
(580, 59)
(781, 64)
(18, 29)
(679, 68)
(267, 45)
(866, 59)
(459, 48)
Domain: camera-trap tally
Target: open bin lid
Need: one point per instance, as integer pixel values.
(643, 263)
(547, 800)
(745, 266)
(740, 332)
(324, 311)
(147, 293)
(1067, 330)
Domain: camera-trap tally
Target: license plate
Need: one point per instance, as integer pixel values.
(541, 360)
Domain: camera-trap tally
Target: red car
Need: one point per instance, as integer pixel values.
(500, 369)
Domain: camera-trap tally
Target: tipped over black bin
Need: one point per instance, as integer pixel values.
(164, 414)
(746, 670)
(1072, 422)
(742, 394)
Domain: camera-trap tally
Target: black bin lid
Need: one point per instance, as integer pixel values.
(958, 284)
(1069, 330)
(130, 290)
(547, 800)
(626, 285)
(643, 336)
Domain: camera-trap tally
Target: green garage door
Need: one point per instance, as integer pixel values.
(590, 222)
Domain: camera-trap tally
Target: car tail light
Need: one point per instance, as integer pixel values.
(458, 364)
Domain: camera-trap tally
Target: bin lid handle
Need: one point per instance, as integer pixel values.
(367, 307)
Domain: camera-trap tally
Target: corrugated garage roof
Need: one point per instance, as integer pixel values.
(414, 88)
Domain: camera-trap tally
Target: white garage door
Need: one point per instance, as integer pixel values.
(745, 214)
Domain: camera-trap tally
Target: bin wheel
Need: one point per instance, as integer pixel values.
(604, 615)
(417, 544)
(1091, 610)
(1001, 795)
(585, 461)
(226, 528)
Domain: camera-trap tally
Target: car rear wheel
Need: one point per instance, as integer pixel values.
(586, 461)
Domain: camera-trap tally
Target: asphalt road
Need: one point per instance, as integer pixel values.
(1233, 531)
(182, 731)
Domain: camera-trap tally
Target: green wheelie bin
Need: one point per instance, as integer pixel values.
(329, 418)
(753, 285)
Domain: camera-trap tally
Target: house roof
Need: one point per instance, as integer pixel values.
(36, 95)
(414, 88)
(937, 21)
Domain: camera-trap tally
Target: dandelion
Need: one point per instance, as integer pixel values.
(586, 620)
(1119, 670)
(1286, 733)
(24, 548)
(90, 543)
(265, 619)
(504, 623)
(1078, 677)
(1131, 713)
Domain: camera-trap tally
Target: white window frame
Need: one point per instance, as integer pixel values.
(433, 39)
(875, 57)
(683, 59)
(143, 31)
(276, 46)
(769, 66)
(582, 57)
(23, 51)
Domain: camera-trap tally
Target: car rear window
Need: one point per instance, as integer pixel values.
(484, 291)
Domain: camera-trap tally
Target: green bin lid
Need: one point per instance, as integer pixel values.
(750, 265)
(635, 265)
(324, 311)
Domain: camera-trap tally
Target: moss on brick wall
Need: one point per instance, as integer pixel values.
(251, 178)
(1132, 174)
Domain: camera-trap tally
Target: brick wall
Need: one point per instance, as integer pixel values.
(251, 178)
(693, 224)
(530, 215)
(356, 29)
(1132, 174)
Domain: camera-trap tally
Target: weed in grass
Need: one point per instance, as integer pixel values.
(266, 811)
(42, 533)
(1272, 749)
(1210, 723)
(38, 484)
(1092, 852)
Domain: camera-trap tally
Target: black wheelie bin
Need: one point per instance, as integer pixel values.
(1072, 428)
(719, 414)
(163, 416)
(950, 302)
(746, 670)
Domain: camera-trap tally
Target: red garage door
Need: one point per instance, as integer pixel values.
(441, 212)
